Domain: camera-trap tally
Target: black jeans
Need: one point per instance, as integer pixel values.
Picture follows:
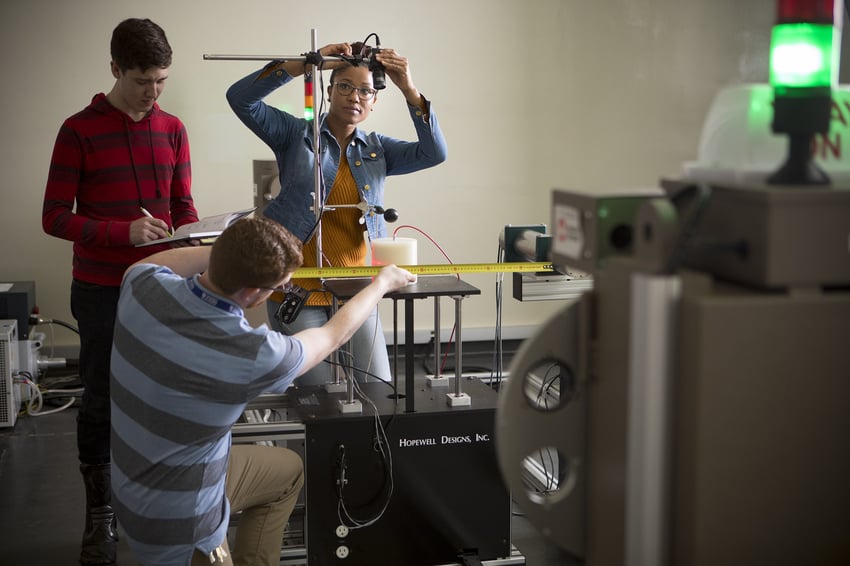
(94, 306)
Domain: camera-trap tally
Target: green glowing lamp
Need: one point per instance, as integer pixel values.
(803, 71)
(801, 58)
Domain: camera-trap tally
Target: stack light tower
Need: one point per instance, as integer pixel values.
(803, 72)
(308, 94)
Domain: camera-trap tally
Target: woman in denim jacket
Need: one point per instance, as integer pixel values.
(353, 177)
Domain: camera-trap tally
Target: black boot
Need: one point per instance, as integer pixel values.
(100, 541)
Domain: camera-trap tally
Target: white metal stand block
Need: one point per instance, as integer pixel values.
(346, 407)
(331, 387)
(458, 399)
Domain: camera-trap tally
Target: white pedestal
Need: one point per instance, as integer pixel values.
(458, 400)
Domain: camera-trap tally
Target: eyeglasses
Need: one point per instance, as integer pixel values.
(285, 288)
(364, 93)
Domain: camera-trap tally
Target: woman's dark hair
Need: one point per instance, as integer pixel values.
(358, 49)
(140, 44)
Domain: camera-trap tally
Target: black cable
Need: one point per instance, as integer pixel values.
(365, 41)
(364, 372)
(343, 481)
(380, 445)
(67, 325)
(389, 384)
(498, 354)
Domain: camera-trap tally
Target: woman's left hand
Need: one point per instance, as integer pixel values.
(397, 69)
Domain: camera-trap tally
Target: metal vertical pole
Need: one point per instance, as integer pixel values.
(336, 362)
(458, 346)
(652, 331)
(458, 397)
(395, 347)
(318, 196)
(409, 387)
(437, 369)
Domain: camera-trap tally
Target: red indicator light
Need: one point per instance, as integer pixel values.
(805, 11)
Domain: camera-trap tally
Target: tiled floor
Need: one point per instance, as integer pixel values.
(42, 499)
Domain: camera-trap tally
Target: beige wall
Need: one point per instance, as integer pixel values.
(531, 94)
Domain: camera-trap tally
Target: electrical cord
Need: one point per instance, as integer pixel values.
(35, 402)
(356, 369)
(457, 275)
(390, 384)
(549, 380)
(498, 354)
(35, 320)
(424, 233)
(344, 514)
(39, 321)
(381, 445)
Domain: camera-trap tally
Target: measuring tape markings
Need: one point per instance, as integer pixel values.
(433, 269)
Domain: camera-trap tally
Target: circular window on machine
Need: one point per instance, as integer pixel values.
(546, 473)
(549, 385)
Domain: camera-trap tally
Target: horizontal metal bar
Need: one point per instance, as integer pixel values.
(224, 57)
(213, 57)
(270, 401)
(243, 432)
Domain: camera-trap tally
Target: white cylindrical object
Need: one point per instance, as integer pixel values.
(400, 251)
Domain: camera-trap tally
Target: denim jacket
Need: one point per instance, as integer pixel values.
(372, 157)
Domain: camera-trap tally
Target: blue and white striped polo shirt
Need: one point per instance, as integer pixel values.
(185, 362)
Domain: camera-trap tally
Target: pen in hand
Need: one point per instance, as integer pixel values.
(149, 215)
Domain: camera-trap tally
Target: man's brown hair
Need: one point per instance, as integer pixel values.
(139, 44)
(253, 252)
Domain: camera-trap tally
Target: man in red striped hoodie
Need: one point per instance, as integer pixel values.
(120, 175)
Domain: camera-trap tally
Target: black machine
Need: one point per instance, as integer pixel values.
(409, 488)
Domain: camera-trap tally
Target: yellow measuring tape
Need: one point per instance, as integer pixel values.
(433, 269)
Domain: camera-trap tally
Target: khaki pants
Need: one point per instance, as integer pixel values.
(263, 482)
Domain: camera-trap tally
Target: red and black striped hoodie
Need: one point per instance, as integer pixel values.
(109, 166)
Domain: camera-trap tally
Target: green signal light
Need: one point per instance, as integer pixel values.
(308, 113)
(801, 56)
